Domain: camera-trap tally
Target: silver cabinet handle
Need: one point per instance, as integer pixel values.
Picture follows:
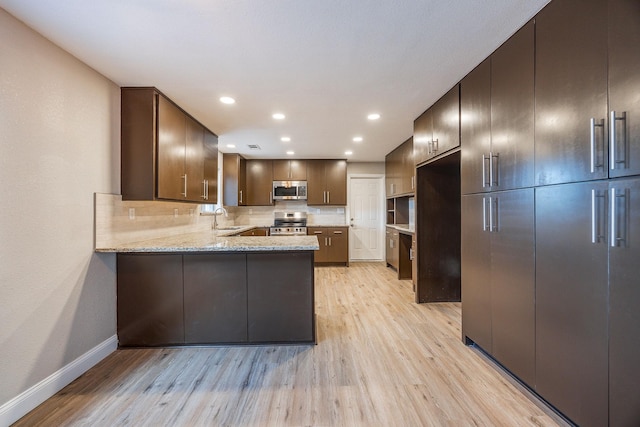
(240, 196)
(596, 235)
(204, 189)
(317, 232)
(435, 145)
(493, 182)
(612, 138)
(413, 182)
(324, 197)
(329, 241)
(270, 197)
(430, 147)
(493, 215)
(410, 254)
(617, 235)
(185, 185)
(325, 241)
(592, 139)
(337, 232)
(484, 214)
(328, 197)
(485, 184)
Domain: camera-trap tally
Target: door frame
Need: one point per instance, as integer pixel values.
(381, 205)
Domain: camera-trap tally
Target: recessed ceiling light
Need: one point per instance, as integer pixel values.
(357, 139)
(291, 153)
(348, 153)
(278, 116)
(285, 139)
(231, 146)
(227, 100)
(373, 116)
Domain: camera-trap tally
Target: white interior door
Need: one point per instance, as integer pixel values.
(366, 208)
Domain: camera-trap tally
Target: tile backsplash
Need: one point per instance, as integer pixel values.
(118, 221)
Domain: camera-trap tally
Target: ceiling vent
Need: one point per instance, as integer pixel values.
(253, 146)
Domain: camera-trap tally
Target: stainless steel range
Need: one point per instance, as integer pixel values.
(289, 224)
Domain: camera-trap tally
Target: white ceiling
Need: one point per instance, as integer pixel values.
(326, 64)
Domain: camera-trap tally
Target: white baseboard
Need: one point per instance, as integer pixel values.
(20, 405)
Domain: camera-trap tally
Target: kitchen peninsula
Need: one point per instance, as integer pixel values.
(210, 288)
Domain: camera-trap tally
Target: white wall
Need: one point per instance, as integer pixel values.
(59, 143)
(365, 168)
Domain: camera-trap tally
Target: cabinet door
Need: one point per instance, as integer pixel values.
(215, 298)
(422, 136)
(572, 300)
(298, 170)
(316, 191)
(259, 182)
(336, 182)
(171, 152)
(624, 273)
(320, 255)
(211, 167)
(476, 270)
(280, 297)
(624, 84)
(338, 250)
(232, 175)
(513, 282)
(194, 161)
(446, 122)
(388, 247)
(281, 170)
(149, 303)
(512, 113)
(475, 129)
(408, 167)
(388, 174)
(571, 92)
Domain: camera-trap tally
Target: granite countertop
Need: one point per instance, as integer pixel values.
(403, 228)
(327, 225)
(219, 242)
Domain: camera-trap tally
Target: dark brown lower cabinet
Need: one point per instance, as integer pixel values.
(334, 244)
(572, 300)
(149, 287)
(215, 298)
(280, 303)
(624, 298)
(498, 277)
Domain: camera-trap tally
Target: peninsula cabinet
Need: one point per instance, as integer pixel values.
(497, 104)
(234, 180)
(215, 298)
(437, 130)
(327, 182)
(165, 153)
(259, 182)
(289, 170)
(498, 277)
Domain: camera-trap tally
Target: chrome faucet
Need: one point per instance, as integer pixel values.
(215, 216)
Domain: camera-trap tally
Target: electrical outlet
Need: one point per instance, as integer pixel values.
(132, 213)
(175, 213)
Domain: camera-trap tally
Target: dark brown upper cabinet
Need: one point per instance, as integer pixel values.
(234, 180)
(475, 128)
(289, 170)
(327, 182)
(165, 153)
(400, 170)
(437, 130)
(422, 135)
(497, 120)
(571, 92)
(624, 87)
(259, 182)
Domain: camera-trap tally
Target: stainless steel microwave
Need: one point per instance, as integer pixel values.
(289, 190)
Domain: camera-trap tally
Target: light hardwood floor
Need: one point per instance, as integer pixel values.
(381, 360)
